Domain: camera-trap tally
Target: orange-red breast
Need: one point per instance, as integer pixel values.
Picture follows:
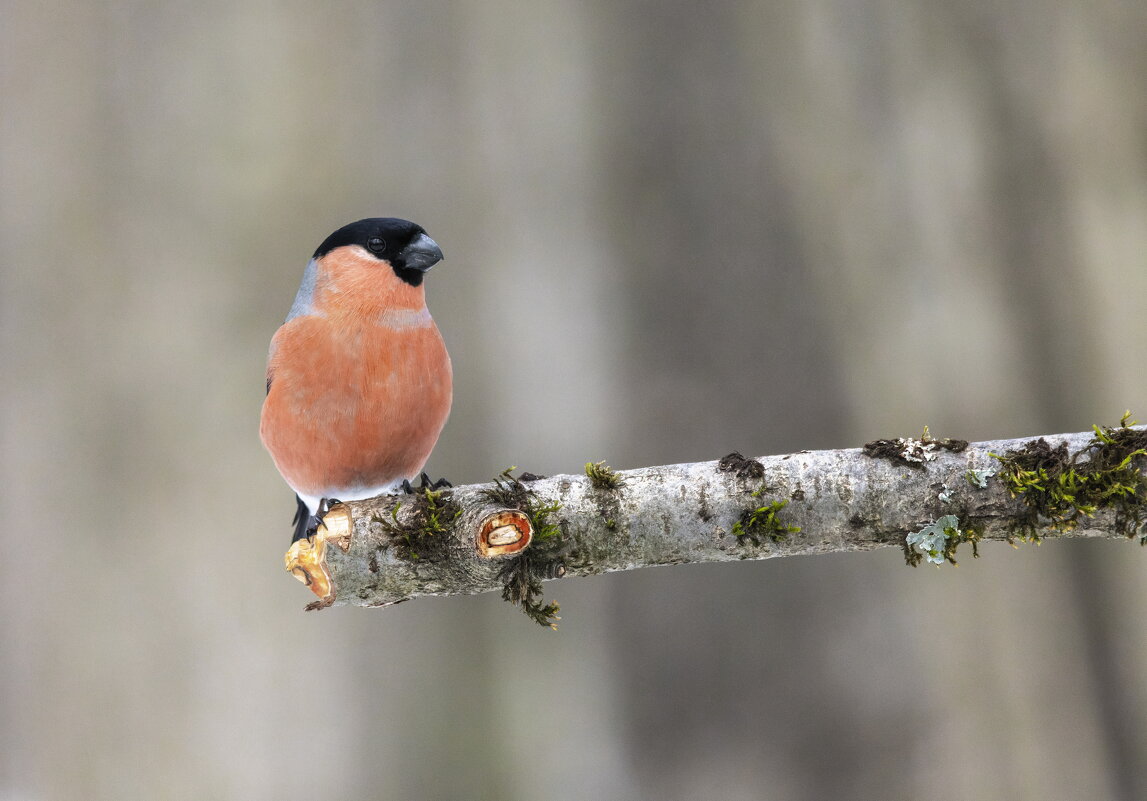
(358, 378)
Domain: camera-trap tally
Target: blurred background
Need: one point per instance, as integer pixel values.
(672, 231)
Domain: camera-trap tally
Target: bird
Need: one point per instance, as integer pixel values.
(359, 383)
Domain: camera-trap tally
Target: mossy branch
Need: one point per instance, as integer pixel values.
(925, 496)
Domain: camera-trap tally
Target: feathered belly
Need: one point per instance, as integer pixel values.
(371, 420)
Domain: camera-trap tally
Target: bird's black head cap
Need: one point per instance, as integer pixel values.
(402, 244)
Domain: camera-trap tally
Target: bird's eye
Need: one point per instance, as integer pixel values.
(376, 244)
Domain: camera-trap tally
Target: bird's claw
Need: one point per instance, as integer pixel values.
(306, 524)
(424, 484)
(434, 485)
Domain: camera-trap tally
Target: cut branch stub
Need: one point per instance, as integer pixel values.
(488, 534)
(306, 559)
(504, 532)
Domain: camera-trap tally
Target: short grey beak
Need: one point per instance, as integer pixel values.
(421, 254)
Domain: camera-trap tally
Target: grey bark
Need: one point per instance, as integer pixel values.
(841, 500)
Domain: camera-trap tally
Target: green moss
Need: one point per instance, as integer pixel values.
(602, 476)
(1060, 489)
(423, 537)
(762, 524)
(522, 575)
(507, 490)
(522, 585)
(546, 528)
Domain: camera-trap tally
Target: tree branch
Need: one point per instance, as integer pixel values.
(926, 496)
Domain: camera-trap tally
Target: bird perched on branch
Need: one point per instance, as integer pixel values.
(358, 378)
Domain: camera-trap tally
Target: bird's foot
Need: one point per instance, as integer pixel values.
(424, 484)
(434, 485)
(307, 524)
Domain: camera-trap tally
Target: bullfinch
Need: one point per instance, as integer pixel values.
(358, 378)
